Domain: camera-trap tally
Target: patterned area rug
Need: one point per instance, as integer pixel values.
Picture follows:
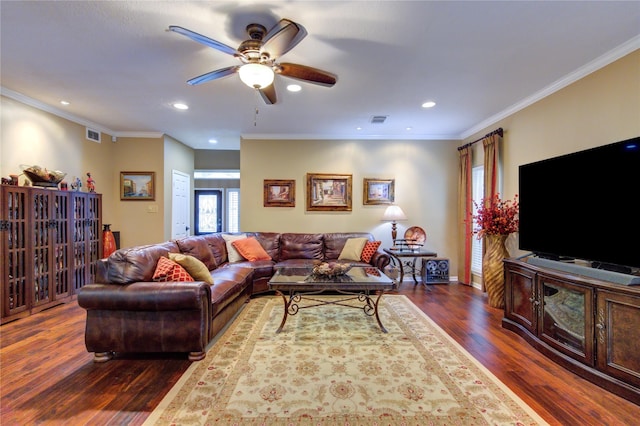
(332, 365)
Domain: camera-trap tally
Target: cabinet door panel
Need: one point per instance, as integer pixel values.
(566, 318)
(14, 276)
(520, 297)
(618, 335)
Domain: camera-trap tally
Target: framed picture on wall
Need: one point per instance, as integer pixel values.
(326, 192)
(378, 191)
(279, 193)
(137, 186)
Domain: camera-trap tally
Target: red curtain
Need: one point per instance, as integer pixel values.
(465, 213)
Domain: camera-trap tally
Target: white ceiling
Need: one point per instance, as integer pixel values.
(121, 70)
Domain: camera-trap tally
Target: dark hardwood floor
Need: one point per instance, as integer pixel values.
(47, 377)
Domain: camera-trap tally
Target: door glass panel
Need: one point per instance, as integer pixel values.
(208, 207)
(564, 315)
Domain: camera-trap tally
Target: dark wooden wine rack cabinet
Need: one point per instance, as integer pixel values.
(50, 241)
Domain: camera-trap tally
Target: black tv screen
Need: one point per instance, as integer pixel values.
(584, 206)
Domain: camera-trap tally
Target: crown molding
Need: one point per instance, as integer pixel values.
(74, 118)
(598, 63)
(350, 137)
(53, 110)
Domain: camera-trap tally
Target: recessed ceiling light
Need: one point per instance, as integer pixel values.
(65, 103)
(358, 128)
(178, 105)
(428, 104)
(294, 88)
(213, 141)
(409, 128)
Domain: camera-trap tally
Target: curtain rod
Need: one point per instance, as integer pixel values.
(498, 131)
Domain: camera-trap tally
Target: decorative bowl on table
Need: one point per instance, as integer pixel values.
(330, 269)
(40, 176)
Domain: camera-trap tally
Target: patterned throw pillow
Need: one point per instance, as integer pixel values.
(250, 249)
(168, 270)
(369, 249)
(193, 266)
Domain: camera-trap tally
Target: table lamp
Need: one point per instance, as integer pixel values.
(393, 214)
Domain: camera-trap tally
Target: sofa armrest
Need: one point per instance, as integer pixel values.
(145, 296)
(380, 260)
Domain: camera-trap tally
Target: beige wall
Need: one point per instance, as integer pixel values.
(425, 174)
(179, 157)
(32, 136)
(601, 108)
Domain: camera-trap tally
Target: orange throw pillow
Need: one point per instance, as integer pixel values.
(168, 270)
(250, 249)
(370, 247)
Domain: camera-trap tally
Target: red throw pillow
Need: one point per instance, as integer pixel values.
(168, 270)
(370, 247)
(250, 249)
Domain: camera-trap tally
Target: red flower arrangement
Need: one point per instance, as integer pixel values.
(496, 217)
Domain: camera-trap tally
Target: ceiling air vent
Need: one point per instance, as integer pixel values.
(378, 119)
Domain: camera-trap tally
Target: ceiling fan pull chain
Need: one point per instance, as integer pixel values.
(256, 111)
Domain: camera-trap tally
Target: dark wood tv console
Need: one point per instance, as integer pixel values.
(589, 326)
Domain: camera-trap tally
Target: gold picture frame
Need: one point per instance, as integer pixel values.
(378, 191)
(329, 192)
(137, 186)
(279, 193)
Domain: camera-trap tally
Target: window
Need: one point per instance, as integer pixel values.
(233, 210)
(477, 192)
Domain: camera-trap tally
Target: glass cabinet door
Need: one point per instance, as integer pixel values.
(566, 318)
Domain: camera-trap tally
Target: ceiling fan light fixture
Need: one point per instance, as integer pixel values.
(256, 76)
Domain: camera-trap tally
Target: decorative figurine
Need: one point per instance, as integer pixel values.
(91, 185)
(76, 184)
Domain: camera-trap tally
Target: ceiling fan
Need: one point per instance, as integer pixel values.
(258, 55)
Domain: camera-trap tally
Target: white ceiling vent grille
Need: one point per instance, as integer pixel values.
(378, 119)
(93, 135)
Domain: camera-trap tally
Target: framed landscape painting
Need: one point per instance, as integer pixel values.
(327, 192)
(279, 193)
(378, 191)
(137, 186)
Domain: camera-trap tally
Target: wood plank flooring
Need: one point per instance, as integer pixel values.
(47, 377)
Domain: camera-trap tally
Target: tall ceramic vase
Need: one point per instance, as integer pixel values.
(108, 240)
(493, 269)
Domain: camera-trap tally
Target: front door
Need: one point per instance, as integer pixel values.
(208, 207)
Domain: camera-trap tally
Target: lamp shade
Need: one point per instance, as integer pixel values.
(256, 76)
(393, 213)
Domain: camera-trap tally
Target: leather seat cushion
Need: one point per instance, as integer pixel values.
(228, 284)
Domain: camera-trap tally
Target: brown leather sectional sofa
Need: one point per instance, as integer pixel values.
(127, 312)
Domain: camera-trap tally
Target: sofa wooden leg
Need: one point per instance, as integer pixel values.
(102, 356)
(196, 356)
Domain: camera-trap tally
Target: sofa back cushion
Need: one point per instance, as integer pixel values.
(334, 242)
(134, 264)
(270, 242)
(218, 247)
(198, 247)
(301, 246)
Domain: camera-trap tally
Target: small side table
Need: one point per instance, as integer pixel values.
(408, 259)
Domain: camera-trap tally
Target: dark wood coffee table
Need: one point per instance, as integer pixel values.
(359, 283)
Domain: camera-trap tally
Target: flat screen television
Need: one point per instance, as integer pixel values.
(584, 206)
